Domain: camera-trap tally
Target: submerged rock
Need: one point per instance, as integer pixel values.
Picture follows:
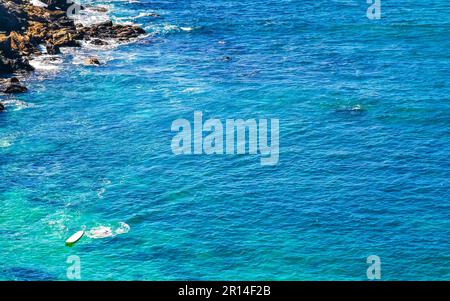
(92, 61)
(2, 107)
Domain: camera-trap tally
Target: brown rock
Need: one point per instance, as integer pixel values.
(22, 44)
(10, 59)
(37, 30)
(64, 37)
(92, 61)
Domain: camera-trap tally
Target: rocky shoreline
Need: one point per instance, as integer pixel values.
(24, 27)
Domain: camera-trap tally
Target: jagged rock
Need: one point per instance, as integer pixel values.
(92, 61)
(22, 44)
(26, 26)
(37, 30)
(43, 15)
(14, 86)
(10, 59)
(64, 37)
(8, 65)
(2, 107)
(107, 30)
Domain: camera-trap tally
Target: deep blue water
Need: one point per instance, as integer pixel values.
(89, 147)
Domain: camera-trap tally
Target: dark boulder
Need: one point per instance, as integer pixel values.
(14, 86)
(52, 49)
(13, 64)
(14, 80)
(2, 107)
(12, 17)
(10, 59)
(105, 24)
(107, 30)
(98, 42)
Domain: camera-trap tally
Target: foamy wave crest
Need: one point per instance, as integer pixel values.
(17, 105)
(6, 142)
(145, 15)
(46, 63)
(193, 90)
(167, 28)
(92, 15)
(108, 231)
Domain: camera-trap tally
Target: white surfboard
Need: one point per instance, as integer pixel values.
(74, 238)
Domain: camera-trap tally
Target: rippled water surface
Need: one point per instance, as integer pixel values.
(89, 148)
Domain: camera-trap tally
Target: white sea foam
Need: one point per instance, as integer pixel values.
(123, 228)
(57, 222)
(145, 14)
(100, 232)
(167, 28)
(186, 28)
(192, 90)
(108, 231)
(46, 62)
(91, 15)
(100, 192)
(5, 142)
(17, 105)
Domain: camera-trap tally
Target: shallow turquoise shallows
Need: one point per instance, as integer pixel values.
(364, 169)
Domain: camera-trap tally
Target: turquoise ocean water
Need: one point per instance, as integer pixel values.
(90, 147)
